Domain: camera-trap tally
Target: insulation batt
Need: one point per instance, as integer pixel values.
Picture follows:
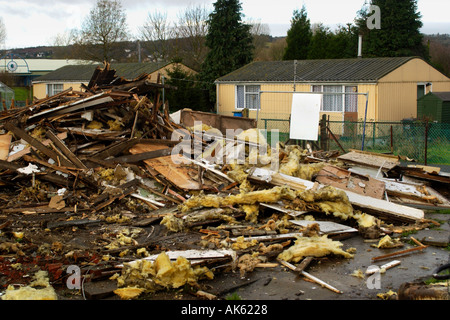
(333, 201)
(268, 196)
(313, 247)
(39, 289)
(162, 273)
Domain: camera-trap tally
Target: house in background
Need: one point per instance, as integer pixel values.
(19, 73)
(391, 85)
(26, 70)
(74, 76)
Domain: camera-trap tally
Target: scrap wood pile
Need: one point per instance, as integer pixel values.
(91, 179)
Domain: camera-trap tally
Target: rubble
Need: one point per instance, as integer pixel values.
(97, 179)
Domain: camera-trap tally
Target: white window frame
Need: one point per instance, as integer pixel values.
(342, 93)
(425, 86)
(50, 88)
(247, 93)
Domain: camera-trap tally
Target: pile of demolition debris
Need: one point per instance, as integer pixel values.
(95, 187)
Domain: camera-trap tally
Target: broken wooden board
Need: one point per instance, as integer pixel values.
(366, 204)
(281, 208)
(415, 194)
(376, 160)
(17, 155)
(82, 104)
(326, 227)
(195, 256)
(409, 191)
(172, 167)
(5, 142)
(347, 180)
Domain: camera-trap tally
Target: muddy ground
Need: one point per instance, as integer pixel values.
(54, 249)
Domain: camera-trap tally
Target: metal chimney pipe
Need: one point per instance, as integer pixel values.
(360, 46)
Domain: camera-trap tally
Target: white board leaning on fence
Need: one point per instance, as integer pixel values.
(305, 114)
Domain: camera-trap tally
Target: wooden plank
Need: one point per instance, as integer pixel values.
(174, 171)
(393, 254)
(37, 144)
(309, 276)
(344, 179)
(115, 149)
(371, 269)
(141, 156)
(366, 204)
(192, 255)
(326, 227)
(281, 208)
(370, 159)
(5, 142)
(77, 105)
(61, 146)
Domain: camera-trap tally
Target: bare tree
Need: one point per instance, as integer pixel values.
(261, 37)
(277, 49)
(156, 33)
(191, 31)
(102, 29)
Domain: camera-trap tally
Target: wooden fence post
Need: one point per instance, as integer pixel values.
(323, 133)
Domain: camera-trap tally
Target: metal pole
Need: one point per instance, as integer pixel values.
(365, 119)
(295, 74)
(258, 107)
(163, 92)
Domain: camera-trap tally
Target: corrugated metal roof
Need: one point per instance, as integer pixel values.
(84, 72)
(327, 70)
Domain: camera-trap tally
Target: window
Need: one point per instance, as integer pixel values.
(247, 97)
(351, 100)
(54, 88)
(336, 100)
(421, 90)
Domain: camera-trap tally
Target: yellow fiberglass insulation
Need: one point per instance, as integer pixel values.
(313, 247)
(294, 167)
(39, 289)
(162, 273)
(293, 161)
(330, 200)
(333, 201)
(253, 136)
(237, 173)
(308, 171)
(251, 212)
(271, 195)
(176, 224)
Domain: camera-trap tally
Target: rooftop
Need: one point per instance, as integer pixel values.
(84, 72)
(326, 70)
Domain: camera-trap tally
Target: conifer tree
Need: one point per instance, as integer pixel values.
(229, 41)
(298, 36)
(399, 35)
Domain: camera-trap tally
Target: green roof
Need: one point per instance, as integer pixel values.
(326, 70)
(83, 73)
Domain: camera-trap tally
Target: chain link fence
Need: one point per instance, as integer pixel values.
(424, 142)
(421, 141)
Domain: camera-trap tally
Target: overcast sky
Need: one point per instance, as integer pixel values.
(32, 23)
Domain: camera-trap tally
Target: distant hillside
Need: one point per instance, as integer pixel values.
(439, 45)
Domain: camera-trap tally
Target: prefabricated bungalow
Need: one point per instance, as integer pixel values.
(74, 76)
(388, 88)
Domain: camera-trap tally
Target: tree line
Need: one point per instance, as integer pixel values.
(217, 42)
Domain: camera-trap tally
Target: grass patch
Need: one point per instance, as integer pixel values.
(233, 296)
